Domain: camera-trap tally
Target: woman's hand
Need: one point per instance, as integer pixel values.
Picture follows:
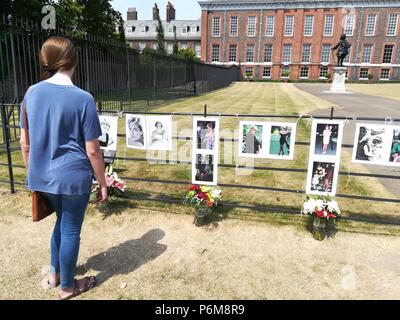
(102, 195)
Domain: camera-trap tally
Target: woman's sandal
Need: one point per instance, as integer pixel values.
(53, 285)
(89, 283)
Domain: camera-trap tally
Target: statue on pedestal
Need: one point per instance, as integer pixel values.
(342, 47)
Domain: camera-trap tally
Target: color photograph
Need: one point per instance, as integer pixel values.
(282, 140)
(322, 178)
(395, 147)
(135, 132)
(204, 170)
(109, 131)
(326, 139)
(159, 132)
(251, 139)
(372, 144)
(206, 136)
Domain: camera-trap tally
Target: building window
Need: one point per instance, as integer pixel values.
(366, 54)
(170, 48)
(323, 71)
(142, 29)
(170, 29)
(251, 26)
(270, 26)
(268, 53)
(385, 74)
(387, 53)
(193, 29)
(289, 23)
(392, 24)
(183, 45)
(184, 30)
(232, 53)
(326, 53)
(250, 53)
(347, 59)
(287, 53)
(249, 72)
(234, 27)
(304, 72)
(329, 22)
(306, 53)
(267, 72)
(198, 50)
(285, 71)
(308, 25)
(216, 27)
(371, 22)
(129, 29)
(142, 45)
(349, 24)
(215, 53)
(155, 46)
(363, 73)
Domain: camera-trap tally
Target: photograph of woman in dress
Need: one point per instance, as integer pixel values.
(252, 139)
(326, 139)
(204, 168)
(108, 137)
(281, 142)
(322, 178)
(369, 144)
(206, 135)
(159, 132)
(135, 126)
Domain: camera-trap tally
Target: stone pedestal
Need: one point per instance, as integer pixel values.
(338, 82)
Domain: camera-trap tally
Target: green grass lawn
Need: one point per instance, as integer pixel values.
(387, 90)
(243, 98)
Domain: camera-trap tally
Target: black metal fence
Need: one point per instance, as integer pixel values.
(108, 69)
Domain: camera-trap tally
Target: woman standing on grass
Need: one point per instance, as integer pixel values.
(64, 153)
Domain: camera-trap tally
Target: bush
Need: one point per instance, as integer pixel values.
(286, 74)
(370, 76)
(249, 74)
(328, 75)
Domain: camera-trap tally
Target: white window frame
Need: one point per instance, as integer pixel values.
(391, 56)
(253, 53)
(184, 27)
(170, 29)
(270, 29)
(328, 26)
(265, 51)
(286, 53)
(142, 46)
(284, 68)
(248, 26)
(212, 52)
(323, 54)
(350, 21)
(270, 73)
(197, 48)
(388, 75)
(365, 52)
(393, 27)
(170, 48)
(361, 78)
(308, 72)
(368, 26)
(307, 31)
(234, 34)
(306, 45)
(286, 34)
(142, 28)
(229, 53)
(216, 27)
(249, 69)
(193, 29)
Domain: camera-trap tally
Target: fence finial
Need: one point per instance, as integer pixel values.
(331, 113)
(205, 111)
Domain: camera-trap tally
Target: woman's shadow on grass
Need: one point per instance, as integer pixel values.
(125, 257)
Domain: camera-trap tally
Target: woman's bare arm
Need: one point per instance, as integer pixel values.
(24, 148)
(95, 156)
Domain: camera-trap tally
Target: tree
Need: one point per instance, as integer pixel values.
(31, 9)
(175, 47)
(160, 37)
(188, 53)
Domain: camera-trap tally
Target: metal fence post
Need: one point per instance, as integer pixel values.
(6, 139)
(87, 63)
(10, 23)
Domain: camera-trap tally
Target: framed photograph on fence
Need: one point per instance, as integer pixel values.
(204, 169)
(281, 140)
(206, 134)
(394, 158)
(109, 133)
(372, 144)
(252, 139)
(323, 178)
(159, 132)
(135, 131)
(327, 136)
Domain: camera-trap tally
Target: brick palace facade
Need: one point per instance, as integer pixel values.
(278, 39)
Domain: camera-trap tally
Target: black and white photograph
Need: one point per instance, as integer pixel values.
(206, 133)
(282, 140)
(204, 170)
(322, 178)
(326, 139)
(252, 139)
(159, 132)
(109, 133)
(394, 158)
(135, 132)
(372, 144)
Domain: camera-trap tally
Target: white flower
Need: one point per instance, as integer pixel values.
(216, 193)
(333, 207)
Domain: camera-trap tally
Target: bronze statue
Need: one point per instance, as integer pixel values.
(343, 47)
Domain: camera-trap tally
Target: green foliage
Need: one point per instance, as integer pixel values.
(286, 73)
(160, 37)
(370, 76)
(188, 53)
(175, 46)
(328, 75)
(24, 8)
(249, 74)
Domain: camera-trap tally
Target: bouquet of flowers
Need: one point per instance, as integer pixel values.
(205, 199)
(322, 209)
(115, 186)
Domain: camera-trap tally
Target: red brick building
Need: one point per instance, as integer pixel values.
(293, 38)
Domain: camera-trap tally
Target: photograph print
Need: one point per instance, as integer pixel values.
(251, 139)
(372, 144)
(326, 138)
(322, 178)
(394, 158)
(109, 130)
(159, 132)
(135, 131)
(281, 142)
(206, 134)
(204, 169)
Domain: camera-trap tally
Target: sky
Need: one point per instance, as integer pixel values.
(185, 9)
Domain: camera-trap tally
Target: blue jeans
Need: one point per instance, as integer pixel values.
(70, 210)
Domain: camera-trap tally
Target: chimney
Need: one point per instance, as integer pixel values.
(156, 12)
(131, 14)
(170, 12)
